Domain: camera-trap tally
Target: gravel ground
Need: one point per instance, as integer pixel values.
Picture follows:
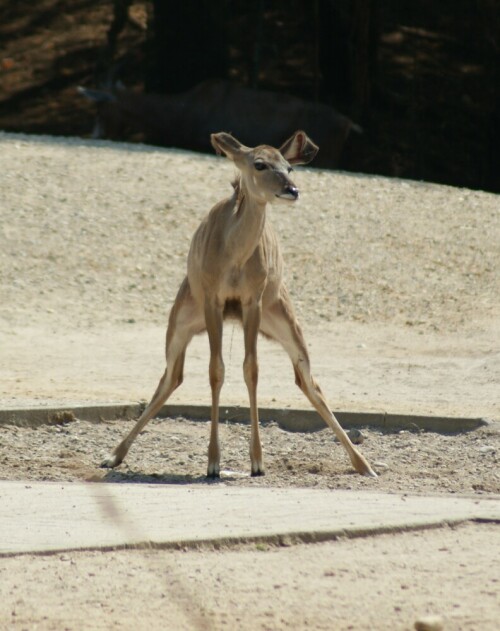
(94, 237)
(174, 451)
(395, 283)
(88, 224)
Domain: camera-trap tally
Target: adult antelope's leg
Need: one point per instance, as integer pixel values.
(251, 325)
(185, 320)
(214, 322)
(279, 323)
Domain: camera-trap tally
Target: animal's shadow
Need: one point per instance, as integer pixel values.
(177, 479)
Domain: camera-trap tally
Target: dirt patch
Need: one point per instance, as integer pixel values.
(381, 583)
(174, 451)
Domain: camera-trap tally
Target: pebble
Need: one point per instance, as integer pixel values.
(429, 623)
(487, 449)
(382, 466)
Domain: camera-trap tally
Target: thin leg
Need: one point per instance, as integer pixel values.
(214, 322)
(184, 322)
(280, 324)
(251, 325)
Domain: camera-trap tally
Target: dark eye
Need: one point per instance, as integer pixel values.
(290, 169)
(260, 166)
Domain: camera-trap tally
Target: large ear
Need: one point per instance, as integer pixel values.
(299, 149)
(227, 144)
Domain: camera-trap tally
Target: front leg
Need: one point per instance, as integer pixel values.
(214, 321)
(251, 325)
(185, 320)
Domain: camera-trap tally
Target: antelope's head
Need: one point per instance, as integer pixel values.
(265, 171)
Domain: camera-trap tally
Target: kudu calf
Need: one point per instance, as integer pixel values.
(186, 120)
(235, 269)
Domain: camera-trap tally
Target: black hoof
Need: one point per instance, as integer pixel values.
(257, 474)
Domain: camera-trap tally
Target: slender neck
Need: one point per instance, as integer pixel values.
(246, 227)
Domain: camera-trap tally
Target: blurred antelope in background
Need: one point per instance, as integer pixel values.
(186, 120)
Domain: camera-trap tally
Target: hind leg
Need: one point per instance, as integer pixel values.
(185, 321)
(280, 324)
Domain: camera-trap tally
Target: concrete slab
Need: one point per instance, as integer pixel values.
(47, 517)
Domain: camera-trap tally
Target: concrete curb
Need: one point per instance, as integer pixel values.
(288, 539)
(292, 420)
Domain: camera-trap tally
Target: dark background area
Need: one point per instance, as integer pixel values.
(422, 78)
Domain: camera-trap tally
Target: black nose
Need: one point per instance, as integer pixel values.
(292, 191)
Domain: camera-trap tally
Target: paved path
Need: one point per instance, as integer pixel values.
(49, 516)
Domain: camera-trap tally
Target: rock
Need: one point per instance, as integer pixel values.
(381, 466)
(355, 436)
(429, 623)
(414, 428)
